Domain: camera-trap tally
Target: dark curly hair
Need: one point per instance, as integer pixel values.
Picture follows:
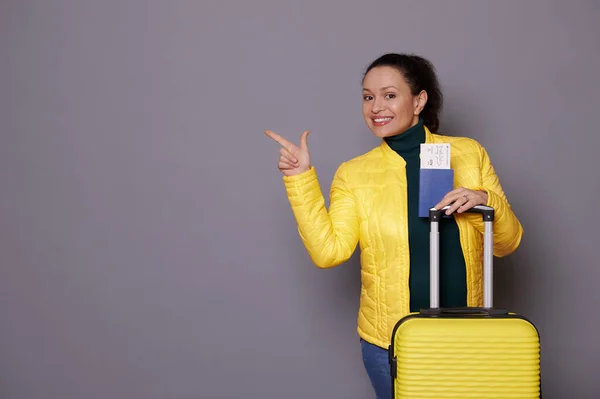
(420, 74)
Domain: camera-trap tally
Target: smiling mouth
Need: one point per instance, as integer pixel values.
(381, 121)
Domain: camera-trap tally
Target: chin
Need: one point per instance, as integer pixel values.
(381, 132)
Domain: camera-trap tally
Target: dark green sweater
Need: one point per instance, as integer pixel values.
(453, 290)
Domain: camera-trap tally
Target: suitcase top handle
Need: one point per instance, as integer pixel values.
(464, 311)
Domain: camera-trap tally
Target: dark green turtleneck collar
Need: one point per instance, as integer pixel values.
(408, 142)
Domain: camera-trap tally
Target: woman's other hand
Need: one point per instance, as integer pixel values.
(293, 159)
(462, 199)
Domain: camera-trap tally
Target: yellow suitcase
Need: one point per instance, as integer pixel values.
(482, 353)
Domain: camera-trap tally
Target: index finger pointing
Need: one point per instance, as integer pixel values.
(278, 139)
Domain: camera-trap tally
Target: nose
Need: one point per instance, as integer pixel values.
(377, 105)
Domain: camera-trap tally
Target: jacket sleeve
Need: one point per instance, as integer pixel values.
(330, 237)
(507, 228)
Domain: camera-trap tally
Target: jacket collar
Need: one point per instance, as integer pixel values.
(392, 156)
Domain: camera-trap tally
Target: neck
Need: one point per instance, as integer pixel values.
(408, 142)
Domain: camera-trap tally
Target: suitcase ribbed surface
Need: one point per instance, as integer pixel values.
(466, 358)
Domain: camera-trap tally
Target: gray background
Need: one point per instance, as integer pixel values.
(147, 248)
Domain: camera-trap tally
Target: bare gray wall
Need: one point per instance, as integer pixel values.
(147, 249)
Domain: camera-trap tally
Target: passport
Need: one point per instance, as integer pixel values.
(433, 185)
(436, 178)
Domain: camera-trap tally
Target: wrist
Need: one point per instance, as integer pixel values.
(485, 196)
(303, 170)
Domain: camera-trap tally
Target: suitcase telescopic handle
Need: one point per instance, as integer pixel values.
(487, 214)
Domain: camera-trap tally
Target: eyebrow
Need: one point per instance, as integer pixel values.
(383, 88)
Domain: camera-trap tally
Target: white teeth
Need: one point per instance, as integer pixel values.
(380, 120)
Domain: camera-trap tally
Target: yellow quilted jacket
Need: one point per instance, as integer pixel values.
(368, 206)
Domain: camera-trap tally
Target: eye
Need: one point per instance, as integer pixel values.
(391, 95)
(367, 98)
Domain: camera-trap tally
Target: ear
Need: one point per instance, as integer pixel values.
(420, 101)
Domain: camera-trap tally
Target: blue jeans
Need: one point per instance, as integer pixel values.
(377, 365)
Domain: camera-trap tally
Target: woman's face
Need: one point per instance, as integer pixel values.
(388, 107)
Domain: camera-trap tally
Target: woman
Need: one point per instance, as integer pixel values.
(374, 202)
